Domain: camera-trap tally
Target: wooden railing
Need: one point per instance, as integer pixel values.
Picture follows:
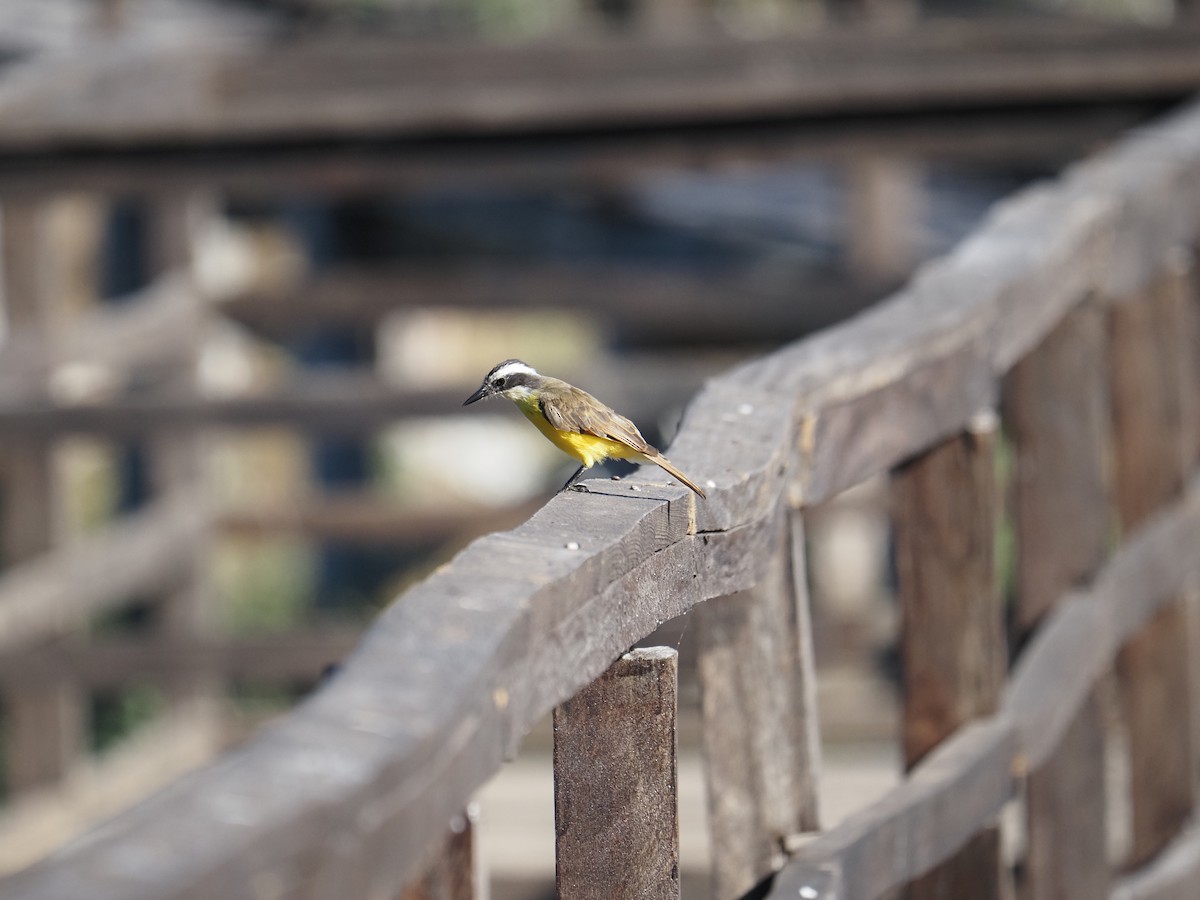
(1067, 325)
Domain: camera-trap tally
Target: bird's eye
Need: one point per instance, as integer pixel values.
(500, 382)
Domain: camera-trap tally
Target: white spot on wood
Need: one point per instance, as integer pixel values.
(572, 545)
(809, 893)
(745, 409)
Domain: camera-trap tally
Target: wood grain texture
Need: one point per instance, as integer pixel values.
(914, 828)
(1056, 406)
(957, 790)
(1149, 368)
(953, 648)
(952, 632)
(760, 729)
(616, 808)
(1056, 410)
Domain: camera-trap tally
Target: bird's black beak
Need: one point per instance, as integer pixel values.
(478, 395)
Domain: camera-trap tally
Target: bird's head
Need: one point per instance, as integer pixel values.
(512, 379)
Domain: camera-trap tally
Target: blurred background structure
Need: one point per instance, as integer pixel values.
(255, 254)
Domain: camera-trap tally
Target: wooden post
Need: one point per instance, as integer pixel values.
(953, 647)
(884, 205)
(177, 464)
(761, 739)
(615, 804)
(1056, 405)
(44, 724)
(1149, 365)
(452, 874)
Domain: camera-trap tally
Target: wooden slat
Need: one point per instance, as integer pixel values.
(1084, 632)
(1172, 875)
(245, 93)
(451, 876)
(518, 622)
(352, 401)
(44, 723)
(953, 649)
(884, 200)
(177, 464)
(913, 828)
(1066, 814)
(760, 720)
(52, 594)
(553, 160)
(366, 518)
(151, 327)
(957, 790)
(97, 788)
(99, 665)
(672, 307)
(1148, 368)
(616, 811)
(1056, 407)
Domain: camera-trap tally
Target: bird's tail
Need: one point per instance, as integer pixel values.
(664, 463)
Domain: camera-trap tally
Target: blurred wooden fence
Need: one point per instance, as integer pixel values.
(1066, 324)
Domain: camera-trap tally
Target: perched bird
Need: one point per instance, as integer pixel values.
(574, 421)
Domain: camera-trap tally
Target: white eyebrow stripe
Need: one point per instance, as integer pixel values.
(513, 368)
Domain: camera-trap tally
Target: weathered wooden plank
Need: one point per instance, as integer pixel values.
(1148, 369)
(1172, 875)
(44, 723)
(555, 159)
(944, 521)
(152, 327)
(452, 874)
(1056, 408)
(233, 92)
(365, 517)
(616, 812)
(98, 787)
(53, 593)
(760, 727)
(1066, 814)
(1082, 635)
(1056, 405)
(953, 649)
(177, 464)
(671, 307)
(884, 200)
(857, 438)
(956, 791)
(114, 662)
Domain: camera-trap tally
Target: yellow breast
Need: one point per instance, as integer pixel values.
(587, 448)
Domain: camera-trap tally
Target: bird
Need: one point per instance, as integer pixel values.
(572, 419)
